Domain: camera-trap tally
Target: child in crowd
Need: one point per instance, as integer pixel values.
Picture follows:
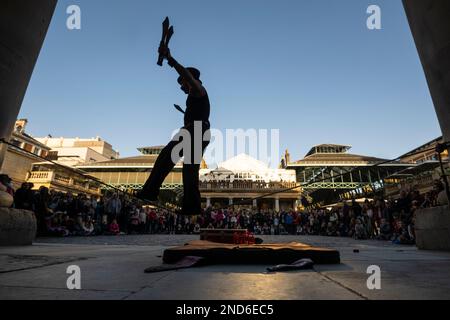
(114, 227)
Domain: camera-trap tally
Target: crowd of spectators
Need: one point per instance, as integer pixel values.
(65, 214)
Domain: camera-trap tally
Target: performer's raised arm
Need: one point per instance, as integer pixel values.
(195, 86)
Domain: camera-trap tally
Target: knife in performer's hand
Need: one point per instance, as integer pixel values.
(178, 108)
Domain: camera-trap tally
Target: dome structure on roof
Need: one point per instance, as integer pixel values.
(246, 168)
(243, 163)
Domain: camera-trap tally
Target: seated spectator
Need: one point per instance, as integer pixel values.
(79, 224)
(342, 230)
(88, 227)
(331, 229)
(283, 230)
(360, 230)
(114, 227)
(54, 227)
(266, 229)
(257, 229)
(197, 228)
(402, 235)
(385, 230)
(299, 229)
(68, 223)
(323, 228)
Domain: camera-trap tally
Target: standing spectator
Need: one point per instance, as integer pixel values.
(113, 207)
(23, 198)
(42, 210)
(288, 221)
(134, 223)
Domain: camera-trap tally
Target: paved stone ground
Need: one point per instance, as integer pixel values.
(112, 268)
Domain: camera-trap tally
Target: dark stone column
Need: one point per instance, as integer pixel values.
(429, 21)
(23, 26)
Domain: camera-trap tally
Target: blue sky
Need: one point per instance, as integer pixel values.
(309, 68)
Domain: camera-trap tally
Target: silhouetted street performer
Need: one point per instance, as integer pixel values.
(195, 115)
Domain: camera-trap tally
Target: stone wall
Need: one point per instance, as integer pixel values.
(17, 227)
(433, 228)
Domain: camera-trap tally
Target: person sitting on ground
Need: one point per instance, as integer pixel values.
(299, 229)
(342, 230)
(88, 227)
(266, 229)
(114, 227)
(331, 229)
(179, 229)
(68, 223)
(197, 228)
(78, 227)
(385, 230)
(360, 230)
(402, 235)
(55, 229)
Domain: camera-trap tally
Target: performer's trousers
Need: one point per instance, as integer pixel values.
(166, 162)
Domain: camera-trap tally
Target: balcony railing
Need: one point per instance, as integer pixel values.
(60, 178)
(49, 177)
(423, 182)
(38, 176)
(247, 186)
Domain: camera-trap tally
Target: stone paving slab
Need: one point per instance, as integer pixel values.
(14, 262)
(236, 285)
(116, 271)
(30, 293)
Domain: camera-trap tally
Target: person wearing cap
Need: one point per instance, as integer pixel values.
(196, 113)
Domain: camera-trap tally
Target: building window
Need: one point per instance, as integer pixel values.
(27, 147)
(52, 155)
(16, 142)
